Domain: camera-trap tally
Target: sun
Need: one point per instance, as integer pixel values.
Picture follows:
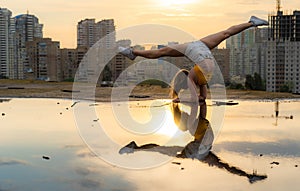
(176, 2)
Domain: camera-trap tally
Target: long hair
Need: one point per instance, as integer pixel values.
(179, 82)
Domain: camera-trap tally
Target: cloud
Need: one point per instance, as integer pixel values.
(74, 146)
(83, 171)
(280, 147)
(185, 16)
(93, 176)
(89, 183)
(4, 162)
(85, 153)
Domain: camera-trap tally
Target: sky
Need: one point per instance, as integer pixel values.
(197, 18)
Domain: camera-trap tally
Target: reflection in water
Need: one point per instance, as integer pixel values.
(4, 162)
(32, 128)
(4, 100)
(40, 149)
(199, 148)
(284, 147)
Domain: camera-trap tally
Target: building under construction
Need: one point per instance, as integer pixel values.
(285, 27)
(283, 52)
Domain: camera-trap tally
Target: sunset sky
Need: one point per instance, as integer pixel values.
(196, 17)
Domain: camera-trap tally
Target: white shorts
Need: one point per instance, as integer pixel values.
(201, 55)
(197, 51)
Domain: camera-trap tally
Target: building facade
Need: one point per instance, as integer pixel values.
(283, 52)
(106, 32)
(89, 32)
(6, 46)
(247, 52)
(222, 58)
(68, 63)
(86, 33)
(27, 27)
(44, 59)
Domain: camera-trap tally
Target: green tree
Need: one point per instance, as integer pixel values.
(249, 84)
(287, 87)
(106, 74)
(258, 82)
(254, 82)
(234, 85)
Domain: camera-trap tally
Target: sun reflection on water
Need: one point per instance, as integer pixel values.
(32, 128)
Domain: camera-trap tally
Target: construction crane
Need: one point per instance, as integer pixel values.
(278, 5)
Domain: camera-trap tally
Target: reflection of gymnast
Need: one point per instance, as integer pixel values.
(197, 51)
(200, 127)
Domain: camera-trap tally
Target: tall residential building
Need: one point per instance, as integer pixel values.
(6, 31)
(86, 33)
(261, 39)
(283, 52)
(89, 32)
(222, 58)
(285, 27)
(27, 28)
(119, 62)
(44, 59)
(106, 31)
(68, 63)
(247, 53)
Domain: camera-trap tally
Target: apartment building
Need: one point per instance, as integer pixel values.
(44, 59)
(283, 52)
(27, 27)
(5, 42)
(248, 53)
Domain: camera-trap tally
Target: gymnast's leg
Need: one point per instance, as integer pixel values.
(214, 40)
(173, 51)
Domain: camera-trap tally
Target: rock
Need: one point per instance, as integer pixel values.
(3, 100)
(218, 103)
(15, 88)
(70, 91)
(74, 103)
(3, 114)
(46, 157)
(277, 163)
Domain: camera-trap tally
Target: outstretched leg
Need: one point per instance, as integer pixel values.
(173, 51)
(214, 40)
(178, 50)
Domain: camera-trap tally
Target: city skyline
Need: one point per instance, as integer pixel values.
(64, 15)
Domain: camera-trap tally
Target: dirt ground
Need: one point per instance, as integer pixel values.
(40, 89)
